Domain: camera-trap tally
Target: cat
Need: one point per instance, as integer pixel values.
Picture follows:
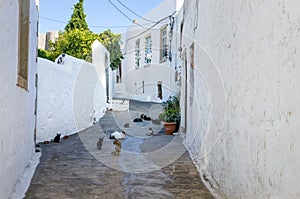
(138, 120)
(151, 132)
(99, 143)
(118, 147)
(94, 121)
(156, 122)
(145, 117)
(57, 138)
(61, 59)
(117, 135)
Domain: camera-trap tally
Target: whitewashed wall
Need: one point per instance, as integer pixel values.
(156, 71)
(150, 75)
(251, 48)
(99, 52)
(17, 104)
(70, 95)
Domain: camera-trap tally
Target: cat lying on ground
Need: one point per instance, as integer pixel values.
(156, 122)
(117, 135)
(145, 117)
(142, 117)
(138, 120)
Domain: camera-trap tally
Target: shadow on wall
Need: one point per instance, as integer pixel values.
(71, 94)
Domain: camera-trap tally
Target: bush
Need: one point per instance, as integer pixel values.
(171, 109)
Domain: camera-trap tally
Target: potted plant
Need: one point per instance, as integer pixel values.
(171, 114)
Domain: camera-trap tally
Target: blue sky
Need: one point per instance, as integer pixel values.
(99, 13)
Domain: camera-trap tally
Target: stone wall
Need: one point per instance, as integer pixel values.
(243, 95)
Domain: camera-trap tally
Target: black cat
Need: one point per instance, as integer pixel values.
(138, 120)
(145, 117)
(57, 138)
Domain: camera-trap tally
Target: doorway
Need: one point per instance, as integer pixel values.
(159, 90)
(107, 78)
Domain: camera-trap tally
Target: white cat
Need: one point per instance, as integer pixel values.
(117, 135)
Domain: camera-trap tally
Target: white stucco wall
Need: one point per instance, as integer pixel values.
(156, 71)
(42, 41)
(150, 75)
(71, 95)
(17, 104)
(251, 49)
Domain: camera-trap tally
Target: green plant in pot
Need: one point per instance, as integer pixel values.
(171, 114)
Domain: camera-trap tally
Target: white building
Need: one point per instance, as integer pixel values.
(241, 63)
(72, 95)
(18, 25)
(147, 73)
(44, 39)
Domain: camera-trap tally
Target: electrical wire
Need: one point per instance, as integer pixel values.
(93, 26)
(134, 12)
(52, 20)
(120, 11)
(159, 21)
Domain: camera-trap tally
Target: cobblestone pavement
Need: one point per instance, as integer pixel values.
(148, 166)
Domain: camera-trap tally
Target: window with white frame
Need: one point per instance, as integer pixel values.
(148, 50)
(163, 45)
(137, 54)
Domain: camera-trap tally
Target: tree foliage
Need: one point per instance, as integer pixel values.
(77, 39)
(76, 43)
(77, 20)
(112, 42)
(43, 53)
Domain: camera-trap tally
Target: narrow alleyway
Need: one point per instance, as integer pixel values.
(146, 168)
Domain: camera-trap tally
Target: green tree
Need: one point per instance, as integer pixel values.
(77, 43)
(43, 53)
(48, 54)
(77, 20)
(77, 39)
(112, 42)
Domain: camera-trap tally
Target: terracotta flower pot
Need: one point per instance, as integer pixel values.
(169, 127)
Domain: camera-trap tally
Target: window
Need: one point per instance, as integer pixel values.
(148, 50)
(137, 54)
(23, 43)
(163, 45)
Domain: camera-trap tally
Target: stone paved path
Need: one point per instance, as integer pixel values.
(148, 167)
